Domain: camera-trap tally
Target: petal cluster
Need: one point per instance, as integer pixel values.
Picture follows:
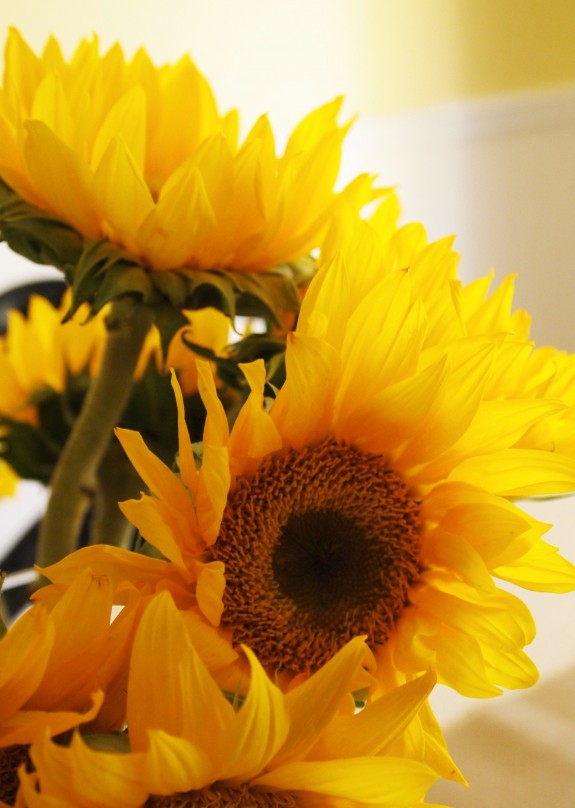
(59, 660)
(139, 154)
(394, 356)
(192, 740)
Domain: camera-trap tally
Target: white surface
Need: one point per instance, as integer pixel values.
(19, 513)
(500, 174)
(16, 270)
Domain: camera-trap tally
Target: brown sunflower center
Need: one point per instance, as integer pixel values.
(11, 757)
(220, 797)
(320, 545)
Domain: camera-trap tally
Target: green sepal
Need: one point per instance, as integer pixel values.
(36, 234)
(361, 698)
(106, 272)
(33, 450)
(235, 699)
(99, 271)
(115, 742)
(30, 452)
(255, 346)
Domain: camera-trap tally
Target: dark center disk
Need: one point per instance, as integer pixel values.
(222, 797)
(11, 758)
(320, 545)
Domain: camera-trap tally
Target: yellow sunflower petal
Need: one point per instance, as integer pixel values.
(313, 704)
(81, 619)
(174, 765)
(160, 646)
(254, 434)
(120, 566)
(170, 235)
(155, 473)
(127, 120)
(462, 665)
(496, 425)
(80, 773)
(377, 725)
(388, 325)
(385, 420)
(211, 493)
(152, 519)
(186, 460)
(216, 430)
(25, 650)
(121, 191)
(210, 589)
(26, 725)
(58, 174)
(495, 527)
(377, 781)
(212, 645)
(456, 405)
(258, 731)
(540, 569)
(454, 553)
(51, 107)
(518, 472)
(8, 479)
(304, 405)
(28, 797)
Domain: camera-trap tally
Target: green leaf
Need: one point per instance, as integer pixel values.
(116, 742)
(100, 271)
(29, 451)
(36, 234)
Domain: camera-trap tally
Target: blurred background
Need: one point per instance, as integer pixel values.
(468, 107)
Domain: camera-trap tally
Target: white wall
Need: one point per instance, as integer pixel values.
(499, 173)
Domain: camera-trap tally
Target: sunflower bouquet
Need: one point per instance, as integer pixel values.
(312, 514)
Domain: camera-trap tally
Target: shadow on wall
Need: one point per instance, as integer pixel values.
(499, 173)
(522, 755)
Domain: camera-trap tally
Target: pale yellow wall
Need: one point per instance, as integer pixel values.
(288, 56)
(423, 51)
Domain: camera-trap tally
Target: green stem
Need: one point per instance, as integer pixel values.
(117, 480)
(74, 481)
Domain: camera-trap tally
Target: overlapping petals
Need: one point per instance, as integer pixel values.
(66, 665)
(117, 151)
(395, 357)
(194, 741)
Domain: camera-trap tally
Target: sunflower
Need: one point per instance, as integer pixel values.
(8, 478)
(62, 667)
(374, 495)
(126, 176)
(47, 362)
(191, 745)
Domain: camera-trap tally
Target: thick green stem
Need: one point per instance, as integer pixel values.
(117, 480)
(74, 481)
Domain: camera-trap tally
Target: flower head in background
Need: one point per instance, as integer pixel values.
(47, 362)
(8, 477)
(190, 745)
(374, 494)
(63, 666)
(127, 176)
